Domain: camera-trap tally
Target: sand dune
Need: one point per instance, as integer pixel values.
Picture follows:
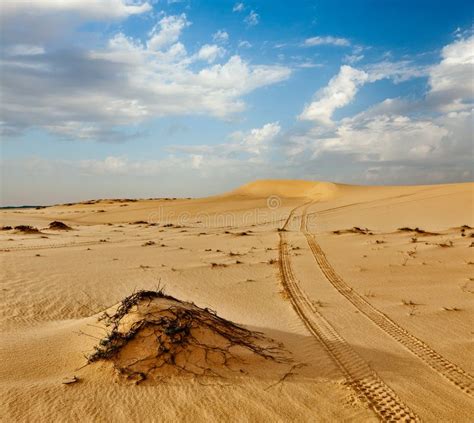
(368, 291)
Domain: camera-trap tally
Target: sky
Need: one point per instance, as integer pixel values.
(131, 98)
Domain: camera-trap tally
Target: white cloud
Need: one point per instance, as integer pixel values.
(220, 36)
(397, 140)
(111, 164)
(196, 160)
(340, 91)
(384, 138)
(397, 71)
(451, 81)
(258, 139)
(238, 7)
(309, 65)
(255, 142)
(90, 9)
(342, 88)
(244, 44)
(210, 52)
(167, 31)
(243, 147)
(36, 22)
(88, 94)
(353, 58)
(328, 40)
(252, 19)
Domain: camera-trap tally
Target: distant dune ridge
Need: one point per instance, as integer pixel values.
(289, 189)
(368, 289)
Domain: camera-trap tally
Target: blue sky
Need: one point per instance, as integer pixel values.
(110, 98)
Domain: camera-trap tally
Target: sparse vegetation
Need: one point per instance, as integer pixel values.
(187, 340)
(59, 226)
(353, 230)
(416, 230)
(412, 306)
(451, 309)
(26, 229)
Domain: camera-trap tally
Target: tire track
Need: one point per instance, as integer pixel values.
(441, 365)
(359, 375)
(66, 245)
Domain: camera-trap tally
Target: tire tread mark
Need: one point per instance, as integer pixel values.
(359, 375)
(452, 372)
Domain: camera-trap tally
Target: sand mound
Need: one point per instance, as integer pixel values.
(154, 336)
(59, 226)
(289, 189)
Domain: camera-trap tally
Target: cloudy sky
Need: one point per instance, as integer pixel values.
(127, 98)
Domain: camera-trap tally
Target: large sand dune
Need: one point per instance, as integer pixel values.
(369, 291)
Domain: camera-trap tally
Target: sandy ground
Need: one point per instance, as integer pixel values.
(378, 321)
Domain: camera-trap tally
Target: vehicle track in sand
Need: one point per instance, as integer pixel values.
(64, 245)
(359, 375)
(441, 365)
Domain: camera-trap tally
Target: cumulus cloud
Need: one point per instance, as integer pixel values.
(396, 140)
(342, 88)
(210, 52)
(451, 80)
(255, 142)
(340, 91)
(166, 32)
(220, 36)
(88, 94)
(400, 71)
(327, 40)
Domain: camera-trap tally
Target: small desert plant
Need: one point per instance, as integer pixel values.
(26, 229)
(218, 265)
(148, 243)
(451, 309)
(60, 226)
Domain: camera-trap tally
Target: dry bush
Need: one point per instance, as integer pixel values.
(416, 230)
(354, 230)
(26, 229)
(154, 336)
(59, 226)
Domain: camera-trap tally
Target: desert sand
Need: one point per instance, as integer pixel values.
(367, 291)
